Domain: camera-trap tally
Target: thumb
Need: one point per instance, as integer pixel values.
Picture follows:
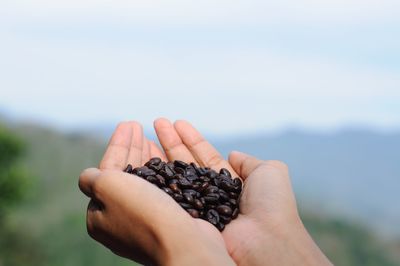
(243, 164)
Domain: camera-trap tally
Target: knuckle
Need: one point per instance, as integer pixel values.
(99, 185)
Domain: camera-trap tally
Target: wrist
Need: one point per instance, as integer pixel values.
(186, 245)
(281, 244)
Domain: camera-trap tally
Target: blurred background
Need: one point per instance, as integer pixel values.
(313, 83)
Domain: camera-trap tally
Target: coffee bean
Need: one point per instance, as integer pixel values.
(233, 195)
(128, 169)
(181, 164)
(167, 190)
(153, 161)
(184, 183)
(224, 172)
(220, 226)
(194, 213)
(211, 189)
(185, 205)
(211, 198)
(177, 197)
(203, 186)
(152, 179)
(212, 216)
(188, 197)
(223, 196)
(224, 210)
(198, 204)
(235, 213)
(175, 188)
(160, 181)
(225, 219)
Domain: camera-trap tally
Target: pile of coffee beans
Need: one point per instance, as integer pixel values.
(201, 191)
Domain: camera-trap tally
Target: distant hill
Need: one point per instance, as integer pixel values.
(53, 214)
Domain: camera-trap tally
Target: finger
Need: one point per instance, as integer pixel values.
(87, 179)
(202, 150)
(243, 163)
(145, 151)
(135, 151)
(171, 142)
(117, 151)
(155, 151)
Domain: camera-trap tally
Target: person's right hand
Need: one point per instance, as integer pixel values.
(268, 230)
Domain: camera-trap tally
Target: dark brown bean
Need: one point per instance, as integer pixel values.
(197, 204)
(212, 216)
(224, 210)
(128, 169)
(194, 213)
(235, 213)
(224, 172)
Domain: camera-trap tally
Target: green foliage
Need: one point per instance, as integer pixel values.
(12, 176)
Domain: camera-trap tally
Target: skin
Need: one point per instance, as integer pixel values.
(134, 218)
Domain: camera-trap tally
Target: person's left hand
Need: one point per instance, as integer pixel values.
(137, 220)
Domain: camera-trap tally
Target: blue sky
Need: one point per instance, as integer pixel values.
(227, 66)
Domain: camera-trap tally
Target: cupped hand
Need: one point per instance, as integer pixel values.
(268, 230)
(134, 218)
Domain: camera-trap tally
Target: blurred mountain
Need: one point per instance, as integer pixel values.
(54, 210)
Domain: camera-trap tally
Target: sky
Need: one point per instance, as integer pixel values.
(227, 66)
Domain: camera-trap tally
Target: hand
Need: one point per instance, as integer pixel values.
(137, 220)
(268, 230)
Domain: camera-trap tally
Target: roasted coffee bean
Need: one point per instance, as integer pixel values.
(220, 226)
(186, 205)
(190, 191)
(175, 188)
(160, 181)
(194, 213)
(184, 183)
(197, 204)
(181, 164)
(178, 197)
(224, 210)
(224, 172)
(201, 171)
(226, 185)
(211, 189)
(211, 198)
(153, 161)
(190, 171)
(128, 169)
(233, 202)
(225, 219)
(237, 182)
(235, 213)
(152, 179)
(233, 195)
(212, 216)
(189, 198)
(203, 186)
(223, 196)
(179, 170)
(167, 190)
(212, 174)
(192, 178)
